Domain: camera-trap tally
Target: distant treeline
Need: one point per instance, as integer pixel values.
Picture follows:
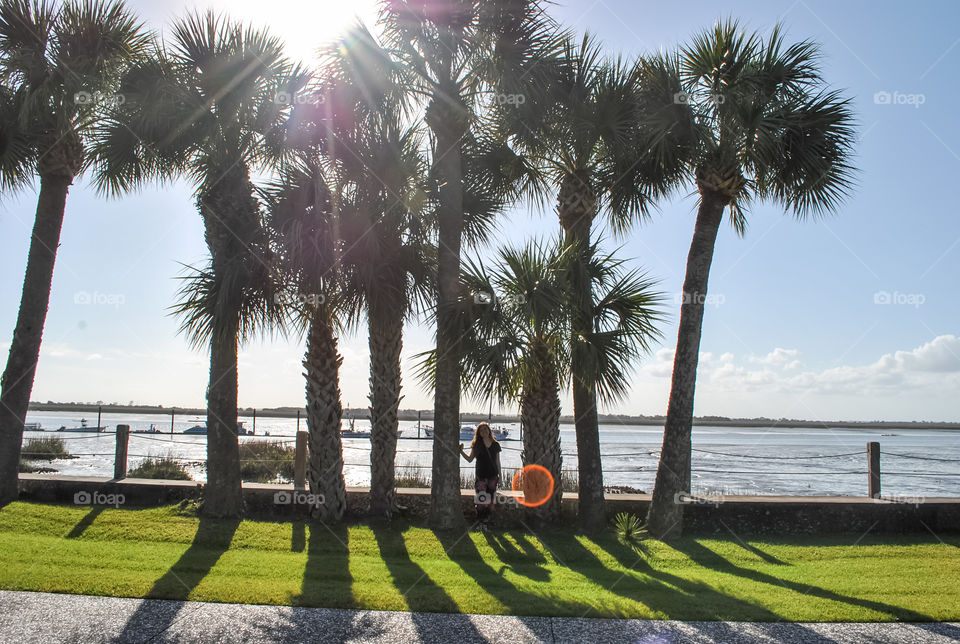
(427, 415)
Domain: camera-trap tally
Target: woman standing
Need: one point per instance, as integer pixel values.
(486, 450)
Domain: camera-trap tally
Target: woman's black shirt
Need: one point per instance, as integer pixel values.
(487, 459)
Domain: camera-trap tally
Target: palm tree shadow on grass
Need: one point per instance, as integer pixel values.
(766, 556)
(661, 592)
(707, 558)
(298, 536)
(212, 539)
(421, 593)
(85, 522)
(326, 578)
(461, 549)
(522, 558)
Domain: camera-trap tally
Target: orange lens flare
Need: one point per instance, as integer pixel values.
(536, 483)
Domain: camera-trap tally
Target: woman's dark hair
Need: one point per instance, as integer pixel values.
(476, 434)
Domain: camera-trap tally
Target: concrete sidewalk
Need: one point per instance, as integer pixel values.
(43, 617)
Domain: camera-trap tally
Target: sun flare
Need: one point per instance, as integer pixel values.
(304, 25)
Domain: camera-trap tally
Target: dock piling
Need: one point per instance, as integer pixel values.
(120, 456)
(873, 465)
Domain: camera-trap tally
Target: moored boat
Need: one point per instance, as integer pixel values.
(82, 428)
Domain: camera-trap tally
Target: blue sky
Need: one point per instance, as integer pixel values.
(851, 317)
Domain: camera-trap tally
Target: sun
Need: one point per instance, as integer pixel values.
(304, 25)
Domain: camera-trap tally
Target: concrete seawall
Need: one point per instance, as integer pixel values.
(720, 515)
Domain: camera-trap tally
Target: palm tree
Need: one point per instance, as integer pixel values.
(57, 68)
(445, 45)
(585, 146)
(304, 221)
(386, 230)
(746, 120)
(205, 106)
(517, 347)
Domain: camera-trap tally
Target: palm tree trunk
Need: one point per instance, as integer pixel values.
(17, 381)
(386, 343)
(448, 123)
(665, 518)
(223, 493)
(577, 208)
(324, 415)
(231, 221)
(540, 414)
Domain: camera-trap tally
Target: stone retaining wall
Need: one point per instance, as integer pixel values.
(765, 515)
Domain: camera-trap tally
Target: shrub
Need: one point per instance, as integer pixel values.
(29, 467)
(628, 527)
(160, 467)
(44, 449)
(410, 475)
(264, 461)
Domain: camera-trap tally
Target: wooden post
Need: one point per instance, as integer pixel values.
(419, 413)
(298, 421)
(173, 413)
(300, 462)
(873, 463)
(99, 413)
(254, 421)
(120, 456)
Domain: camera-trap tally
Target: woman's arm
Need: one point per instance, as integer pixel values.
(498, 464)
(470, 456)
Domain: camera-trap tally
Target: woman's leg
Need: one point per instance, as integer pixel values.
(491, 488)
(481, 499)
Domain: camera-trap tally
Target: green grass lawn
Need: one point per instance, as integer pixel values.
(164, 552)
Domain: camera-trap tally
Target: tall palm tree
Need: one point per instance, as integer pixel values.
(746, 119)
(584, 142)
(57, 67)
(386, 228)
(444, 44)
(518, 345)
(205, 106)
(304, 221)
(517, 348)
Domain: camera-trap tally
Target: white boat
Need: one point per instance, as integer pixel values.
(360, 433)
(202, 430)
(153, 430)
(82, 428)
(32, 427)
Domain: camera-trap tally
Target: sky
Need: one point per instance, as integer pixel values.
(850, 317)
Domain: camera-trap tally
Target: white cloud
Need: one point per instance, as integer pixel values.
(779, 358)
(932, 367)
(940, 355)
